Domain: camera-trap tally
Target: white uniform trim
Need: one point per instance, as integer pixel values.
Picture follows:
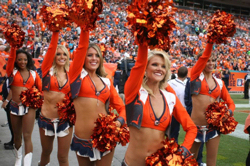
(33, 73)
(219, 81)
(170, 98)
(84, 73)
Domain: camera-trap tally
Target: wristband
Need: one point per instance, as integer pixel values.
(231, 112)
(7, 100)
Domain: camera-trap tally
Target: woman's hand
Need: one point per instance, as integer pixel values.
(229, 114)
(5, 103)
(118, 124)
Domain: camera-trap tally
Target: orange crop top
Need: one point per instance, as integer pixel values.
(214, 93)
(53, 85)
(50, 82)
(88, 89)
(15, 76)
(151, 121)
(139, 110)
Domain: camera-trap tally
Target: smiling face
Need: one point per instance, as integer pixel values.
(22, 61)
(92, 60)
(156, 69)
(210, 65)
(61, 57)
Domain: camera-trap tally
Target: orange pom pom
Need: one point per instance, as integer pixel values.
(106, 134)
(220, 27)
(14, 35)
(31, 98)
(218, 117)
(169, 155)
(85, 13)
(66, 109)
(151, 22)
(56, 17)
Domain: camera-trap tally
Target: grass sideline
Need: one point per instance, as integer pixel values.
(239, 98)
(232, 151)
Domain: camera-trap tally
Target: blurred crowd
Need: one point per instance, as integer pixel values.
(116, 40)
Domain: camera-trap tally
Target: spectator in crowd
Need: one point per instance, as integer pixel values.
(178, 84)
(225, 77)
(6, 94)
(246, 84)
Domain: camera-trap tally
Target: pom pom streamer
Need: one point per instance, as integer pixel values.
(168, 155)
(31, 98)
(85, 13)
(218, 117)
(56, 17)
(66, 109)
(106, 134)
(151, 22)
(220, 27)
(14, 35)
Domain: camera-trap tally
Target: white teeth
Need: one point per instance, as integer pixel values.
(159, 74)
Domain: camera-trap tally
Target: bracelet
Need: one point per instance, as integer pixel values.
(7, 100)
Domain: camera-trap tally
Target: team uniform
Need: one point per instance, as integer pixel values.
(139, 111)
(54, 126)
(16, 79)
(82, 86)
(199, 86)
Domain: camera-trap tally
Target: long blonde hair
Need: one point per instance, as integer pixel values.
(100, 70)
(66, 66)
(167, 63)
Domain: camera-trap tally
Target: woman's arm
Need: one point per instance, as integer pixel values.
(227, 98)
(49, 57)
(79, 56)
(133, 84)
(117, 103)
(201, 63)
(11, 61)
(7, 100)
(182, 116)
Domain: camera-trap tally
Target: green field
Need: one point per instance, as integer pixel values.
(232, 151)
(239, 99)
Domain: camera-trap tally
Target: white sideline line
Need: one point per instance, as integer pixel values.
(239, 132)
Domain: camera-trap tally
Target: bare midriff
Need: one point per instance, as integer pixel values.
(200, 104)
(87, 110)
(16, 91)
(142, 144)
(49, 108)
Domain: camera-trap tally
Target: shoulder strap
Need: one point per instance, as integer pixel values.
(143, 95)
(33, 73)
(171, 100)
(106, 81)
(14, 72)
(219, 81)
(83, 73)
